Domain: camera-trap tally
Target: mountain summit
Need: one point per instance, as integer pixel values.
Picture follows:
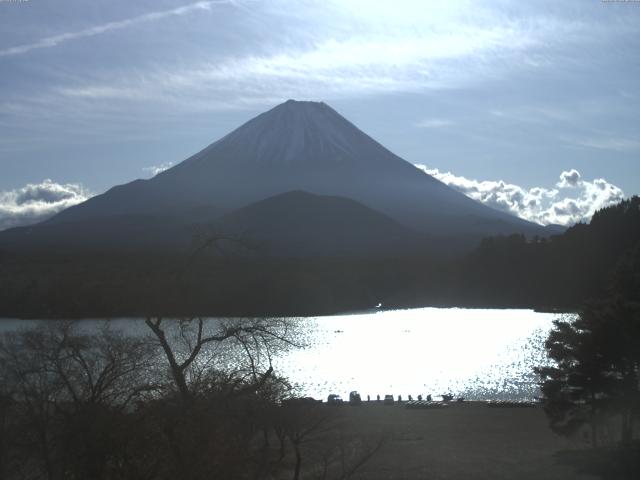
(293, 132)
(300, 146)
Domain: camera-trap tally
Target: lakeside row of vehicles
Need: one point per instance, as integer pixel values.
(356, 399)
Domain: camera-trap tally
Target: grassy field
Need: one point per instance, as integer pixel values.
(460, 441)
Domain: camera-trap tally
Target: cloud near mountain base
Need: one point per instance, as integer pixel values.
(572, 199)
(36, 202)
(154, 170)
(569, 201)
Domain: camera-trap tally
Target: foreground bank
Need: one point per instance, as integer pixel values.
(460, 441)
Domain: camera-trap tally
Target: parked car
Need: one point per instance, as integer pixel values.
(388, 400)
(300, 401)
(354, 398)
(334, 399)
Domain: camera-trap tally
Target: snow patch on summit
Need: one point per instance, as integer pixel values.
(298, 132)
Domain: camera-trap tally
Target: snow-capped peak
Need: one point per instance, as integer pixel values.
(296, 132)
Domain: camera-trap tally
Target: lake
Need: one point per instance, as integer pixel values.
(476, 354)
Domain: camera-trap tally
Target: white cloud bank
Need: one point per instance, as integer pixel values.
(38, 201)
(569, 201)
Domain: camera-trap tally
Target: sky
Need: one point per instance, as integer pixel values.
(529, 107)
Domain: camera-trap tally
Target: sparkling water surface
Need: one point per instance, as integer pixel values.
(472, 353)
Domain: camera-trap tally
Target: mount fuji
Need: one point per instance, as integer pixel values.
(298, 146)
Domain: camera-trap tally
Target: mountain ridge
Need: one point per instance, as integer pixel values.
(304, 146)
(299, 224)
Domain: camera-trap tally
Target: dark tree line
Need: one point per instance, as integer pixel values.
(513, 271)
(561, 272)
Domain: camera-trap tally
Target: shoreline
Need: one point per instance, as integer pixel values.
(343, 313)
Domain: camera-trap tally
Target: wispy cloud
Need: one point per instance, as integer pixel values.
(38, 201)
(364, 63)
(433, 123)
(329, 50)
(601, 142)
(536, 114)
(56, 40)
(570, 201)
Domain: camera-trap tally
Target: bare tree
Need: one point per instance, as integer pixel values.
(221, 370)
(243, 347)
(66, 389)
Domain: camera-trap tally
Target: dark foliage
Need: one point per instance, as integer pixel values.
(191, 400)
(608, 463)
(596, 375)
(561, 272)
(121, 285)
(514, 271)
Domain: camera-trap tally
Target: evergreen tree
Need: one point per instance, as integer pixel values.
(597, 354)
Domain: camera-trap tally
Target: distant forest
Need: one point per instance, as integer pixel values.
(558, 273)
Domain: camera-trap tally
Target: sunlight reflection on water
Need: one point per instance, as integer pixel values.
(477, 354)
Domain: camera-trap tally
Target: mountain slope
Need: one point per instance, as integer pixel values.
(116, 234)
(304, 146)
(299, 224)
(296, 146)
